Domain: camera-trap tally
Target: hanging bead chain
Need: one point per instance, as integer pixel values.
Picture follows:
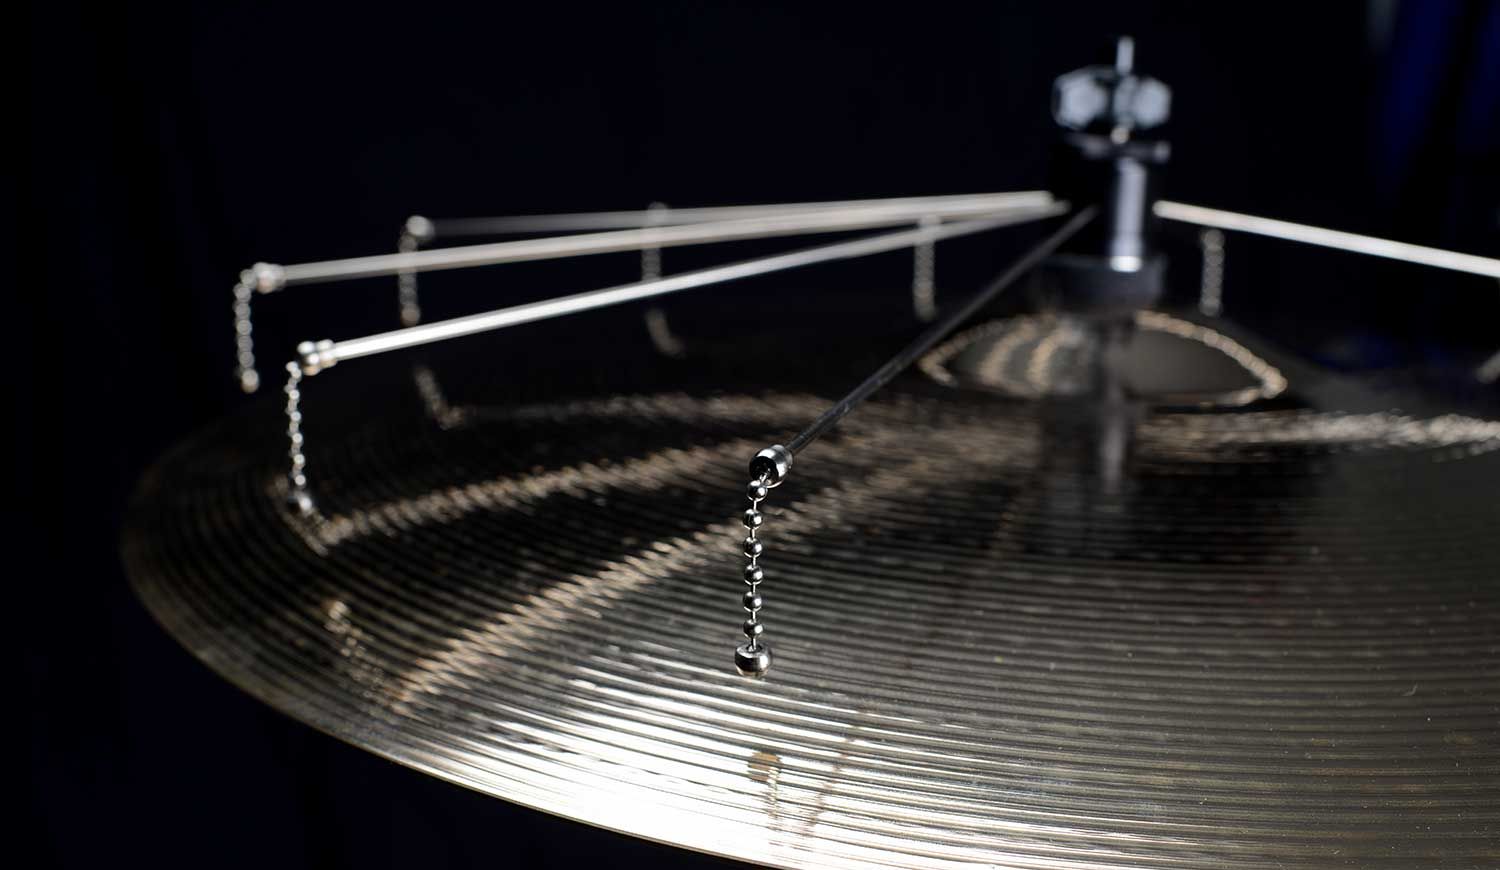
(754, 657)
(416, 232)
(768, 469)
(924, 269)
(297, 496)
(406, 283)
(244, 342)
(1211, 293)
(657, 326)
(262, 278)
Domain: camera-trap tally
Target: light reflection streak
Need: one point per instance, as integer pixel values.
(1045, 372)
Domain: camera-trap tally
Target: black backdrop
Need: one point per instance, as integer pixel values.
(162, 149)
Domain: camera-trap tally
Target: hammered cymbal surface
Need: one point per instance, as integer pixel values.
(1257, 637)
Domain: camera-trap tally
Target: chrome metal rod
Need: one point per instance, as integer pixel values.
(1375, 247)
(916, 205)
(326, 354)
(935, 333)
(812, 221)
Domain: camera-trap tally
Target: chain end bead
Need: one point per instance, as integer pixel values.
(753, 659)
(300, 501)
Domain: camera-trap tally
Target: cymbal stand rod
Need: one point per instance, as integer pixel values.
(604, 220)
(1353, 242)
(769, 467)
(617, 241)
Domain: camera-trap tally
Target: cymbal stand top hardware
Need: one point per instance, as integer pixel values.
(615, 232)
(314, 357)
(770, 466)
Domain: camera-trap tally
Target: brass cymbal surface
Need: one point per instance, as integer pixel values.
(1012, 633)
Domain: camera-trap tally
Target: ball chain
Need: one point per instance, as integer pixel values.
(298, 496)
(753, 658)
(244, 342)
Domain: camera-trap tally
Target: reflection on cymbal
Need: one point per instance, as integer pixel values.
(1164, 360)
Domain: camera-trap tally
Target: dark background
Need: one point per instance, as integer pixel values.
(159, 150)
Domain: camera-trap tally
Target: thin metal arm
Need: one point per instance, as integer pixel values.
(1375, 247)
(828, 220)
(316, 356)
(325, 354)
(750, 222)
(933, 334)
(952, 205)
